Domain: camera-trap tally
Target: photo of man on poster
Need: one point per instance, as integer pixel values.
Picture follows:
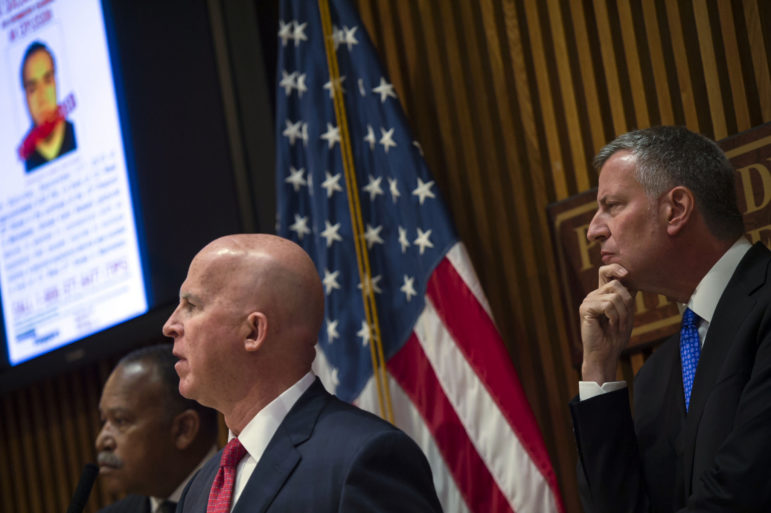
(51, 134)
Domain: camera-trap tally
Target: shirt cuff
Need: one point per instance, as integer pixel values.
(589, 389)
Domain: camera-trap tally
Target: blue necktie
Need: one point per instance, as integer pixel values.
(689, 351)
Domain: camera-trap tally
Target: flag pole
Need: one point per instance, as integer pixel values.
(362, 255)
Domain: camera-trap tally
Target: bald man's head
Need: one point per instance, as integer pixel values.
(249, 315)
(269, 274)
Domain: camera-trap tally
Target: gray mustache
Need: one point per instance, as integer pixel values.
(109, 459)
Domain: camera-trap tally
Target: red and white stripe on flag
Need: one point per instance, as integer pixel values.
(454, 389)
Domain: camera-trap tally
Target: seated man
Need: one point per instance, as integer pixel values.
(697, 438)
(248, 319)
(152, 439)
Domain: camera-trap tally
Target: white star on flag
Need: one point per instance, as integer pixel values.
(373, 187)
(364, 333)
(330, 281)
(332, 333)
(296, 178)
(371, 285)
(384, 90)
(350, 37)
(288, 81)
(293, 131)
(332, 135)
(284, 31)
(423, 190)
(423, 240)
(372, 235)
(338, 36)
(403, 239)
(387, 139)
(300, 84)
(332, 183)
(370, 137)
(299, 33)
(408, 287)
(300, 226)
(393, 186)
(330, 233)
(333, 86)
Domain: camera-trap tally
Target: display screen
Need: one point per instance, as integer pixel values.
(70, 258)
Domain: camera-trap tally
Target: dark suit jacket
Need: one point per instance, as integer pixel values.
(129, 504)
(717, 458)
(69, 143)
(328, 456)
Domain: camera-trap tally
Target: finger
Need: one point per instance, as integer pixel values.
(611, 272)
(618, 288)
(599, 308)
(614, 306)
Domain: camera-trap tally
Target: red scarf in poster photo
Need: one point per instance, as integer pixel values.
(41, 132)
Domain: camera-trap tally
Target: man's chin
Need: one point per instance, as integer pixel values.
(186, 389)
(110, 481)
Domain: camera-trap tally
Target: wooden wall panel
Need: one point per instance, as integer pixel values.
(510, 100)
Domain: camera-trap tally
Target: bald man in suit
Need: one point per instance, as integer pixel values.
(245, 331)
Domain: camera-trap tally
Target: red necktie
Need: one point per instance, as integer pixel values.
(222, 489)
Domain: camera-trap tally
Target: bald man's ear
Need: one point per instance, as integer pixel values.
(258, 331)
(184, 428)
(679, 205)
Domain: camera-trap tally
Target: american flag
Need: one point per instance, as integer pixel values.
(452, 385)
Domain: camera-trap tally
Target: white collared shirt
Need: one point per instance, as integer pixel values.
(260, 430)
(704, 299)
(155, 502)
(703, 302)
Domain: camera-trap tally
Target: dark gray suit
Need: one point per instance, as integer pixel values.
(129, 504)
(717, 458)
(329, 456)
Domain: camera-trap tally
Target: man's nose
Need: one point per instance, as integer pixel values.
(168, 329)
(171, 326)
(598, 230)
(103, 440)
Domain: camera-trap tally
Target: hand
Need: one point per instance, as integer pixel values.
(607, 314)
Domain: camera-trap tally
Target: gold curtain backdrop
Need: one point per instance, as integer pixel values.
(510, 100)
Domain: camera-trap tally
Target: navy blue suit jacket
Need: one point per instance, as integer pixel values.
(717, 458)
(328, 456)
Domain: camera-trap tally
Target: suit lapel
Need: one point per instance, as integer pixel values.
(268, 478)
(281, 456)
(196, 494)
(731, 311)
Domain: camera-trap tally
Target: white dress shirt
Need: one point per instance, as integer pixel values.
(258, 432)
(703, 302)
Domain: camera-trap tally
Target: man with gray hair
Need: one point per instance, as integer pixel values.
(699, 437)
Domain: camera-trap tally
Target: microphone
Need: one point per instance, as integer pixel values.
(80, 497)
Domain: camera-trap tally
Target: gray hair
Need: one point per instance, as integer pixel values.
(668, 156)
